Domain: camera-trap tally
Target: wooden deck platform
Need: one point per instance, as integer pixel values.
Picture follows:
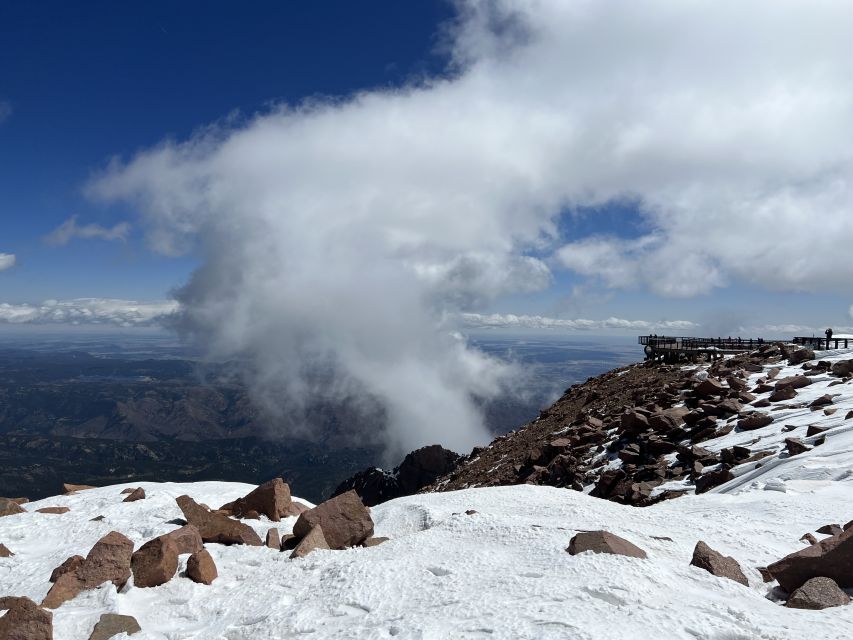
(675, 348)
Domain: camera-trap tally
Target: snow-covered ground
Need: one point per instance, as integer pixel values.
(501, 572)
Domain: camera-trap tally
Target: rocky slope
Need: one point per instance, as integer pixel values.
(648, 432)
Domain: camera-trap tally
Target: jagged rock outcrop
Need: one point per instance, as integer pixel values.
(9, 507)
(418, 469)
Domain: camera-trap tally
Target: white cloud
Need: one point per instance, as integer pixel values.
(7, 261)
(107, 311)
(353, 230)
(512, 321)
(69, 230)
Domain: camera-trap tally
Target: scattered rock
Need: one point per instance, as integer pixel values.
(24, 620)
(709, 387)
(754, 421)
(55, 510)
(107, 561)
(822, 401)
(785, 393)
(273, 540)
(717, 564)
(795, 446)
(796, 382)
(603, 542)
(814, 429)
(128, 490)
(96, 519)
(830, 558)
(313, 540)
(807, 537)
(136, 494)
(842, 368)
(112, 624)
(831, 529)
(215, 527)
(712, 479)
(201, 568)
(271, 499)
(345, 521)
(818, 593)
(800, 355)
(4, 551)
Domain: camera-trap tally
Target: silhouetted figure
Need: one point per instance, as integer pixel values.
(828, 337)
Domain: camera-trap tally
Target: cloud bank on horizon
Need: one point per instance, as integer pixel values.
(86, 311)
(354, 232)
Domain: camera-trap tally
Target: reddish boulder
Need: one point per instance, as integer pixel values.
(24, 620)
(603, 542)
(345, 521)
(9, 507)
(271, 499)
(136, 494)
(215, 527)
(54, 510)
(112, 624)
(107, 561)
(829, 558)
(717, 564)
(312, 541)
(201, 568)
(4, 551)
(155, 562)
(818, 593)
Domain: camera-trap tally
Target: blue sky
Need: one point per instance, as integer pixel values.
(81, 84)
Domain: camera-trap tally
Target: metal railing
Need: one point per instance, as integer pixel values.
(687, 343)
(821, 343)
